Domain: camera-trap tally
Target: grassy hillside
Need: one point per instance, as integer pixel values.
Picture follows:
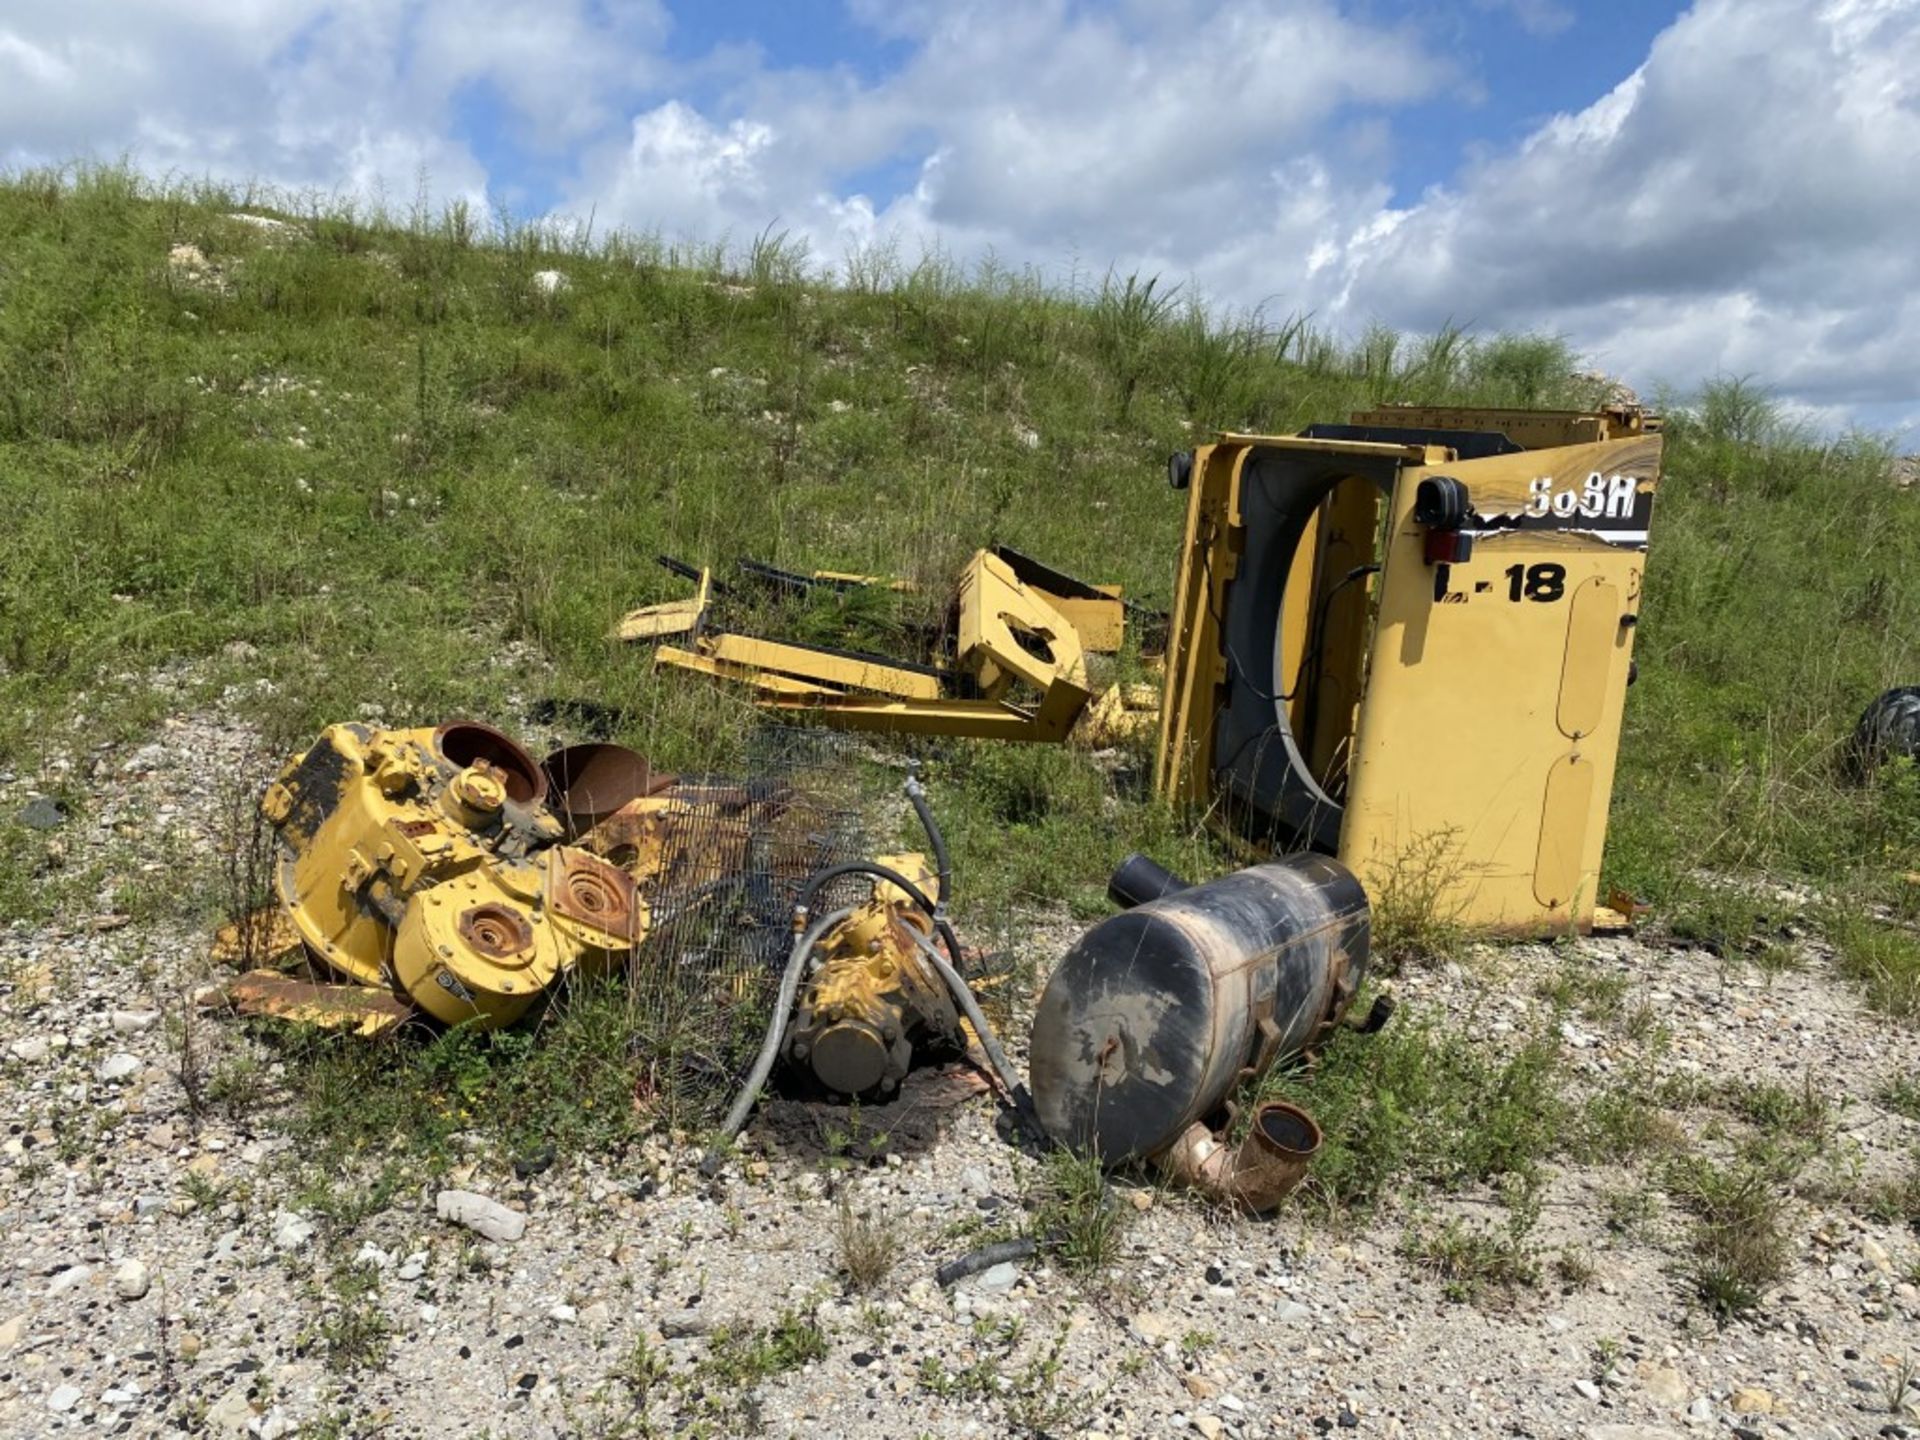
(384, 466)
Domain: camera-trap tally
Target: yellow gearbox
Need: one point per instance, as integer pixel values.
(873, 998)
(427, 860)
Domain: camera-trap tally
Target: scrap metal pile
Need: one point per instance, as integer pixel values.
(1010, 664)
(441, 874)
(1408, 635)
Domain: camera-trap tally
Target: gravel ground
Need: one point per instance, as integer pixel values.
(138, 1299)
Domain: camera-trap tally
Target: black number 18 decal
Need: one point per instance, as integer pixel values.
(1536, 582)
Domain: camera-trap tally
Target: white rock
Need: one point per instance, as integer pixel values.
(11, 1331)
(131, 1280)
(1700, 1412)
(550, 282)
(479, 1214)
(372, 1254)
(64, 1398)
(132, 1022)
(997, 1277)
(1665, 1385)
(563, 1314)
(31, 1049)
(118, 1067)
(291, 1230)
(1587, 1388)
(68, 1278)
(1293, 1313)
(264, 222)
(413, 1267)
(232, 1414)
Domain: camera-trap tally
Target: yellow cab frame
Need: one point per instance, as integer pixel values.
(1407, 640)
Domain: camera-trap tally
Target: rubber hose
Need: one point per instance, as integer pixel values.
(892, 876)
(970, 1007)
(957, 987)
(777, 1027)
(985, 1258)
(917, 797)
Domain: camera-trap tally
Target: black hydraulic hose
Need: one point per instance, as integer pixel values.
(776, 1029)
(943, 867)
(970, 1007)
(822, 878)
(985, 1258)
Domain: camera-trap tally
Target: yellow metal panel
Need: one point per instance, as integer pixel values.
(1565, 813)
(1372, 449)
(1534, 429)
(822, 667)
(1003, 623)
(1459, 728)
(1195, 667)
(676, 617)
(765, 681)
(1351, 516)
(1593, 636)
(872, 582)
(1100, 624)
(969, 719)
(1296, 620)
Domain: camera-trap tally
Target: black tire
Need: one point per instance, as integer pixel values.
(1889, 728)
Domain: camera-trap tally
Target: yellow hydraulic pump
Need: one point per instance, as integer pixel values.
(425, 860)
(873, 999)
(1407, 640)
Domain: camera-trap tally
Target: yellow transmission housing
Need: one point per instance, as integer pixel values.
(874, 997)
(426, 860)
(1406, 641)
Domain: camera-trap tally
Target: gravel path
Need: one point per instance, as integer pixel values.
(160, 1276)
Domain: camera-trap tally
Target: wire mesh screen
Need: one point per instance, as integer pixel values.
(731, 858)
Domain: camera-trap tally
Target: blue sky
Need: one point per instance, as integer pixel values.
(1725, 187)
(1521, 74)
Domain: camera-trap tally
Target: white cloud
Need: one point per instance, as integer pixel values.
(353, 95)
(1158, 135)
(1742, 203)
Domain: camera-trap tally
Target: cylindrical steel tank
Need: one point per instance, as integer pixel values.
(1154, 1016)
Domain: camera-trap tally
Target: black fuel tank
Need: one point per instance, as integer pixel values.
(1156, 1013)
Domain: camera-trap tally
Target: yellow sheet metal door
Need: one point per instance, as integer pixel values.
(1485, 746)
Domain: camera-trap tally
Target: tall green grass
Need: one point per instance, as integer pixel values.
(415, 483)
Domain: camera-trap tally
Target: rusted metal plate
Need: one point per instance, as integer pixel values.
(264, 937)
(360, 1009)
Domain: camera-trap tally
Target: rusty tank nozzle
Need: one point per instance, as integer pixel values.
(1261, 1172)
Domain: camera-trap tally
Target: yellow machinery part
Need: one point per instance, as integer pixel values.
(845, 672)
(675, 617)
(424, 860)
(873, 997)
(1455, 709)
(1027, 659)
